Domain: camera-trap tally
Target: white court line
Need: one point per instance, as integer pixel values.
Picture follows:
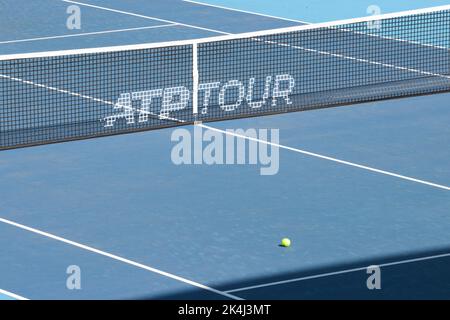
(244, 11)
(232, 36)
(312, 26)
(12, 295)
(79, 95)
(323, 275)
(224, 37)
(349, 57)
(118, 258)
(316, 155)
(197, 41)
(106, 49)
(305, 22)
(143, 16)
(87, 34)
(341, 56)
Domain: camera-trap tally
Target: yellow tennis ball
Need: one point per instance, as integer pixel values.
(285, 242)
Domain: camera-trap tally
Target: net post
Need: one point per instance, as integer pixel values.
(195, 79)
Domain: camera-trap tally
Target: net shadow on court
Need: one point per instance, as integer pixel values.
(418, 275)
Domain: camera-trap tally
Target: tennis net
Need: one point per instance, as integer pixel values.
(59, 96)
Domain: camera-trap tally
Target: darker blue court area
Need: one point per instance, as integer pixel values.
(364, 184)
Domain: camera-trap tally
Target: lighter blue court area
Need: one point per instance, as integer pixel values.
(311, 11)
(355, 186)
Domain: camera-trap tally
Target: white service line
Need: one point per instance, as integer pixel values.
(244, 11)
(88, 33)
(12, 295)
(323, 275)
(143, 16)
(118, 258)
(312, 154)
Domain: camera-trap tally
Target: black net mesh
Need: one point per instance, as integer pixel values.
(76, 96)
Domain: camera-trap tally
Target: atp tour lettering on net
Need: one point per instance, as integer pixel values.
(177, 98)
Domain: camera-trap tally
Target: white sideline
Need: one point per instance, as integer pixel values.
(12, 295)
(316, 155)
(118, 258)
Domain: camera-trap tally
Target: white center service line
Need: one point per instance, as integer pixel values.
(121, 259)
(12, 295)
(88, 33)
(316, 155)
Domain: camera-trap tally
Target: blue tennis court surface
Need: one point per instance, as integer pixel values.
(354, 187)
